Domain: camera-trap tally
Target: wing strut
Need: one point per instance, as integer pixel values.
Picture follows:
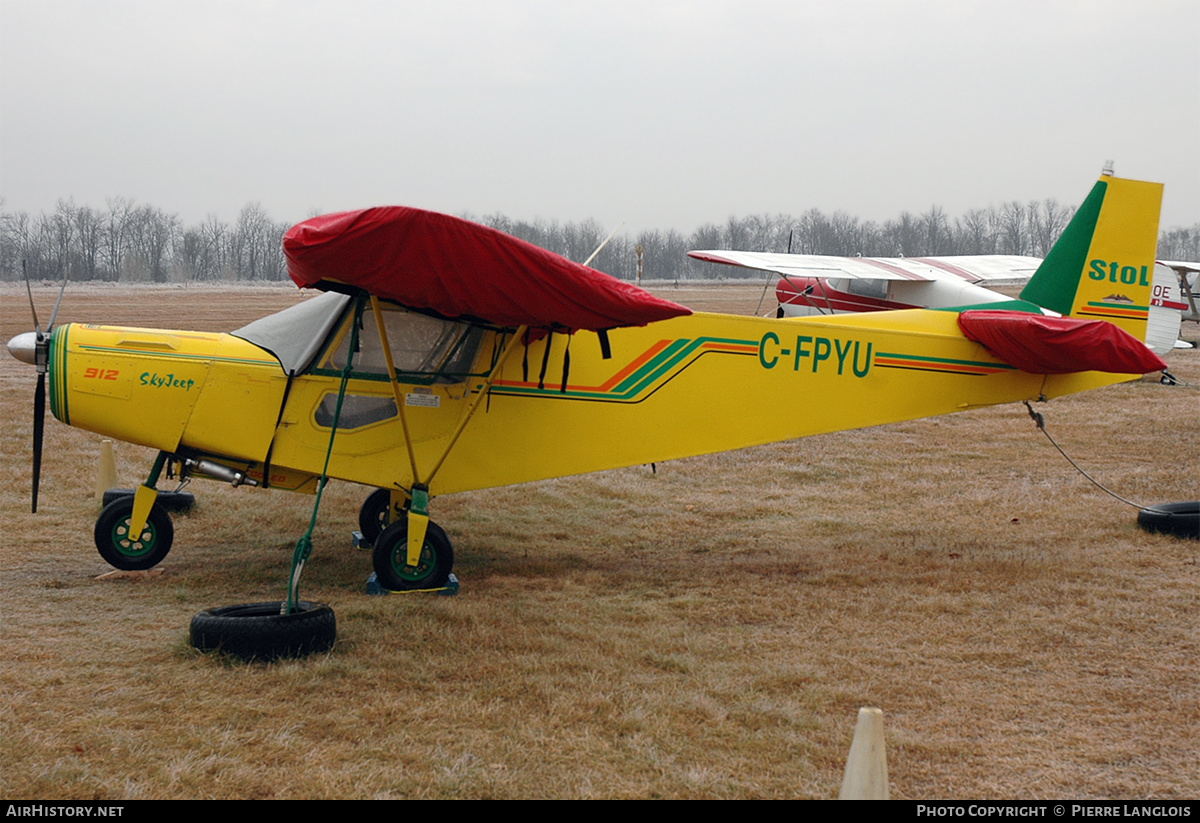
(391, 367)
(418, 512)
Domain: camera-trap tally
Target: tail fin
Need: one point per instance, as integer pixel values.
(1102, 266)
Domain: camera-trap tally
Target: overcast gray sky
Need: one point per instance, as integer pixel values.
(664, 113)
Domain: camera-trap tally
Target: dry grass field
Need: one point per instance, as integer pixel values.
(708, 630)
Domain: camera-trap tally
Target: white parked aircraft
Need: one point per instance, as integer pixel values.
(1189, 285)
(818, 284)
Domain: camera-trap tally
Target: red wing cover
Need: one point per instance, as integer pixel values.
(1038, 344)
(429, 261)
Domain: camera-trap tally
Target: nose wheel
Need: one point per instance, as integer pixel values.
(128, 551)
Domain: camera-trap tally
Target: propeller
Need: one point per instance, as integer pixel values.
(39, 420)
(19, 347)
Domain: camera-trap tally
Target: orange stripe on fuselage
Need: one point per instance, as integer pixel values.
(1105, 311)
(637, 363)
(632, 366)
(731, 348)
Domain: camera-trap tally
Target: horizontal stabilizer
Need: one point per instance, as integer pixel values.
(1038, 344)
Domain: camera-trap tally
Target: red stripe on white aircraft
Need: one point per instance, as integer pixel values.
(949, 268)
(907, 275)
(818, 294)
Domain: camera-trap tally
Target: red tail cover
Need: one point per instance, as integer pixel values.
(1058, 345)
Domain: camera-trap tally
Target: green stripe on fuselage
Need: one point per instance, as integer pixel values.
(670, 359)
(678, 354)
(656, 363)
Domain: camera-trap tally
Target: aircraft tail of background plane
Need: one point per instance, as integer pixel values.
(1102, 267)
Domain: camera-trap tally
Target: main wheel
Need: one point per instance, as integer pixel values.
(257, 631)
(391, 559)
(128, 551)
(375, 515)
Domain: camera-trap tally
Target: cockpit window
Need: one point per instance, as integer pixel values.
(424, 349)
(868, 288)
(358, 410)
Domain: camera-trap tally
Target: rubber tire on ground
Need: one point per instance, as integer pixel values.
(257, 631)
(374, 516)
(171, 501)
(129, 555)
(1179, 519)
(391, 555)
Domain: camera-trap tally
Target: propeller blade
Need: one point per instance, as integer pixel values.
(39, 420)
(29, 291)
(57, 303)
(41, 358)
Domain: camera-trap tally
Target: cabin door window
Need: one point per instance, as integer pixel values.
(424, 349)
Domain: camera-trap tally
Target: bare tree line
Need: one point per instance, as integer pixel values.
(128, 242)
(139, 243)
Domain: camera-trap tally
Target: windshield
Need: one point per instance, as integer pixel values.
(295, 335)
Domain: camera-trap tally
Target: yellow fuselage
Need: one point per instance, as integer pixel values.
(687, 386)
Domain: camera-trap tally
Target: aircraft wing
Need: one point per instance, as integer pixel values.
(462, 270)
(994, 269)
(1182, 266)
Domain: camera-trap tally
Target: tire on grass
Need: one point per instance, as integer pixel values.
(375, 515)
(257, 631)
(1179, 519)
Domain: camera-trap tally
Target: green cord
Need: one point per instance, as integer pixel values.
(304, 544)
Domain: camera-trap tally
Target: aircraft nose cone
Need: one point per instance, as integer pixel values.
(24, 347)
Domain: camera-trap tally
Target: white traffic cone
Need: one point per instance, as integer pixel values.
(106, 475)
(866, 767)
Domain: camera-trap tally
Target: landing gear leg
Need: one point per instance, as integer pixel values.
(136, 534)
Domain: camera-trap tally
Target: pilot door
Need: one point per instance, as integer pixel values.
(433, 360)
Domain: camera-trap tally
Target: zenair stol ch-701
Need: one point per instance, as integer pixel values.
(446, 356)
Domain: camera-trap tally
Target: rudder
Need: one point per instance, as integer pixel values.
(1102, 266)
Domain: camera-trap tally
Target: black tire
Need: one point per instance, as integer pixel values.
(1179, 519)
(171, 501)
(391, 555)
(257, 631)
(116, 546)
(375, 515)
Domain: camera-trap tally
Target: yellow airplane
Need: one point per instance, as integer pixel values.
(445, 356)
